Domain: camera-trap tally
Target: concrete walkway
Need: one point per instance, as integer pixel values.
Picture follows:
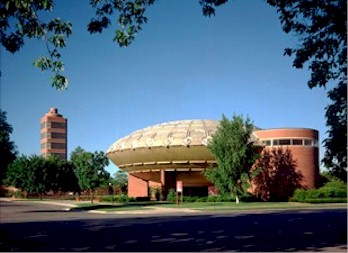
(73, 204)
(150, 210)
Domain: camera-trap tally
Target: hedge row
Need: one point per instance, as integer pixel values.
(334, 191)
(122, 198)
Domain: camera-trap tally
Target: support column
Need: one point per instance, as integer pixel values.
(163, 184)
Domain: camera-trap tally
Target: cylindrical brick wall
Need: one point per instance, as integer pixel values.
(306, 154)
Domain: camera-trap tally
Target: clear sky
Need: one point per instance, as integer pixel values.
(181, 66)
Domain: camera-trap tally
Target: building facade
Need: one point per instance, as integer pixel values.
(163, 154)
(54, 134)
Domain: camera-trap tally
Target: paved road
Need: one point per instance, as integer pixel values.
(37, 227)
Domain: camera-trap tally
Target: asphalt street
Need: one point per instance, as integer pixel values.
(29, 226)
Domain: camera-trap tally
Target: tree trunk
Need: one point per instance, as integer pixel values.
(91, 194)
(237, 199)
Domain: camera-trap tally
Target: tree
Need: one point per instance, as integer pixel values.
(8, 150)
(235, 154)
(120, 180)
(42, 184)
(40, 175)
(335, 157)
(30, 174)
(321, 27)
(19, 176)
(61, 174)
(20, 19)
(89, 169)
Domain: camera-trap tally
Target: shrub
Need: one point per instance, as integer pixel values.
(16, 194)
(116, 198)
(193, 199)
(171, 196)
(202, 199)
(299, 195)
(333, 191)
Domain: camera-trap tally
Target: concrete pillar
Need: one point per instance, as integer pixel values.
(163, 184)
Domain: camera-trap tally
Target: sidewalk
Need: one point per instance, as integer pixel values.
(150, 210)
(67, 203)
(74, 206)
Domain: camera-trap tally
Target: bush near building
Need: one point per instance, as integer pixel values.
(332, 192)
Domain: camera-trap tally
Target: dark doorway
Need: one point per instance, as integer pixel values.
(196, 191)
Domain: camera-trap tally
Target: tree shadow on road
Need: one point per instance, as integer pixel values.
(280, 231)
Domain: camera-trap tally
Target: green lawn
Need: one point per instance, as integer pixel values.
(211, 206)
(240, 206)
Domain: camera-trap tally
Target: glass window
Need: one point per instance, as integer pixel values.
(284, 142)
(58, 135)
(315, 143)
(308, 142)
(275, 142)
(297, 142)
(58, 125)
(266, 142)
(58, 145)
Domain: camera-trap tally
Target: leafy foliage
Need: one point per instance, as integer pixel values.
(20, 19)
(335, 157)
(40, 175)
(20, 175)
(235, 155)
(130, 18)
(120, 180)
(8, 150)
(171, 196)
(89, 169)
(336, 190)
(117, 198)
(321, 27)
(62, 175)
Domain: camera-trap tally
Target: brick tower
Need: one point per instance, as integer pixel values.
(54, 132)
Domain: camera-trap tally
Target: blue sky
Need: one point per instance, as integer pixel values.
(181, 66)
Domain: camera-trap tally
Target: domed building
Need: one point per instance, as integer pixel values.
(163, 154)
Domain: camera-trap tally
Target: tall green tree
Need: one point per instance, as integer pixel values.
(30, 174)
(335, 157)
(235, 154)
(8, 150)
(321, 27)
(90, 169)
(61, 175)
(120, 180)
(20, 175)
(40, 175)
